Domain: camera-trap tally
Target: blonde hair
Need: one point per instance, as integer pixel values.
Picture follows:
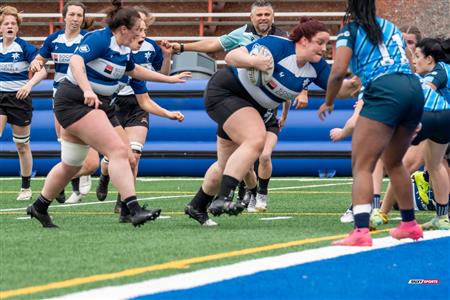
(9, 11)
(149, 18)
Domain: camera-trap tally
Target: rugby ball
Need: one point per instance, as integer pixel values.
(257, 77)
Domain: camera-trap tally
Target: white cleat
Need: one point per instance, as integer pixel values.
(76, 197)
(261, 202)
(209, 223)
(347, 217)
(251, 208)
(24, 195)
(85, 184)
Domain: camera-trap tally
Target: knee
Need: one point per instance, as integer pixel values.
(23, 148)
(257, 142)
(119, 152)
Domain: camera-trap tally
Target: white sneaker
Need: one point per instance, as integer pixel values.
(251, 208)
(85, 184)
(25, 195)
(261, 202)
(347, 217)
(209, 222)
(74, 198)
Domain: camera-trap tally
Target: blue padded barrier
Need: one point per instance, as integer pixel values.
(188, 148)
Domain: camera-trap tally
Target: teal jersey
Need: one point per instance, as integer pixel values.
(371, 61)
(245, 35)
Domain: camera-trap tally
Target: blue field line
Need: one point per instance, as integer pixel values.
(378, 274)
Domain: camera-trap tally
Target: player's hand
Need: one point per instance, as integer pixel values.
(91, 99)
(175, 115)
(323, 109)
(300, 101)
(262, 63)
(167, 48)
(336, 134)
(180, 77)
(23, 92)
(36, 65)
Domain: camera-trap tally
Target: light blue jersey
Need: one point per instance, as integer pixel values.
(288, 78)
(106, 61)
(14, 63)
(149, 56)
(371, 61)
(57, 48)
(439, 76)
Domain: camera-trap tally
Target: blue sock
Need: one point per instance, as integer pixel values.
(407, 214)
(376, 201)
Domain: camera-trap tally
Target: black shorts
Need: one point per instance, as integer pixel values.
(435, 126)
(224, 95)
(129, 113)
(69, 105)
(18, 112)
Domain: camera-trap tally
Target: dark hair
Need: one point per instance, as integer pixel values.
(434, 48)
(411, 29)
(119, 15)
(363, 12)
(261, 3)
(307, 27)
(445, 44)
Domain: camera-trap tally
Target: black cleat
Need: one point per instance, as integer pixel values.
(45, 219)
(117, 207)
(102, 188)
(144, 215)
(125, 218)
(220, 206)
(198, 215)
(61, 198)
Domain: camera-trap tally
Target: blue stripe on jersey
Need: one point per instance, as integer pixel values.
(14, 63)
(149, 56)
(57, 48)
(288, 79)
(106, 61)
(371, 61)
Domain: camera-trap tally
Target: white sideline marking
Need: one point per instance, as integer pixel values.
(276, 218)
(146, 179)
(171, 197)
(217, 274)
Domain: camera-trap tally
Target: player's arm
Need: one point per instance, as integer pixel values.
(240, 58)
(206, 46)
(150, 106)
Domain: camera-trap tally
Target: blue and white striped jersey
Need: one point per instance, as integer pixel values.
(14, 63)
(439, 77)
(57, 48)
(371, 61)
(149, 56)
(106, 61)
(288, 78)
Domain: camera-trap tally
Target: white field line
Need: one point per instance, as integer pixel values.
(170, 197)
(147, 179)
(218, 274)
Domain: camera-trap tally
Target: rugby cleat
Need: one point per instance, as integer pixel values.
(407, 230)
(222, 205)
(422, 185)
(437, 223)
(199, 216)
(85, 184)
(76, 197)
(251, 206)
(43, 218)
(102, 188)
(347, 217)
(24, 195)
(143, 215)
(358, 237)
(261, 202)
(377, 218)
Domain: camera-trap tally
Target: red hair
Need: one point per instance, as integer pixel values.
(307, 27)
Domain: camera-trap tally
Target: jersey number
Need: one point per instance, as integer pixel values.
(387, 60)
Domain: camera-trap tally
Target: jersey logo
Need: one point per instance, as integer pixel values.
(305, 83)
(15, 56)
(108, 69)
(147, 55)
(281, 74)
(84, 48)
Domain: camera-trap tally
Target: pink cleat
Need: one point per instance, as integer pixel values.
(405, 230)
(358, 237)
